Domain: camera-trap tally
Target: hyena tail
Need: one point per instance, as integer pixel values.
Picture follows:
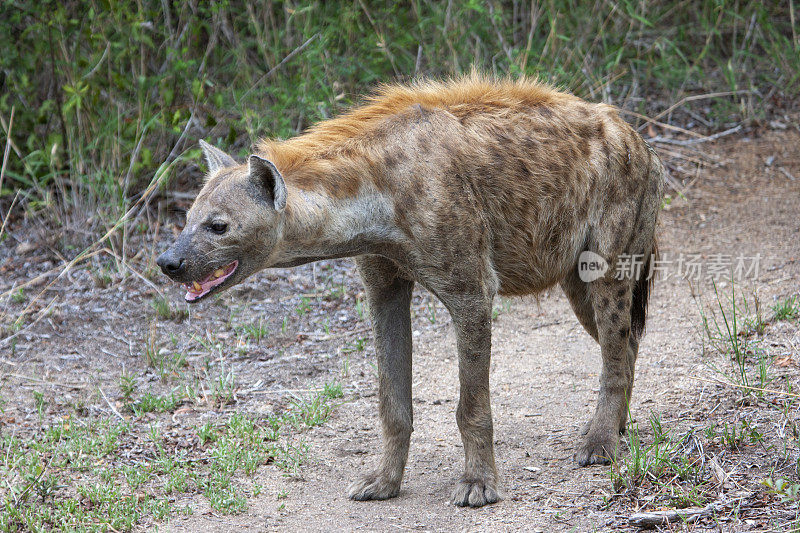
(641, 294)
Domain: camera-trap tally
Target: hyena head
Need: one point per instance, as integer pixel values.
(231, 229)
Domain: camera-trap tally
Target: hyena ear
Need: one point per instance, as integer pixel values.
(216, 158)
(266, 175)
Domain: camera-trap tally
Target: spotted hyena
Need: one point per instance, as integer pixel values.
(471, 188)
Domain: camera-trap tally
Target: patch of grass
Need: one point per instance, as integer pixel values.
(730, 330)
(787, 309)
(304, 307)
(358, 345)
(151, 403)
(207, 433)
(39, 402)
(18, 296)
(86, 476)
(310, 412)
(332, 390)
(255, 332)
(165, 310)
(431, 306)
(361, 308)
(290, 456)
(221, 387)
(166, 364)
(733, 436)
(127, 386)
(670, 465)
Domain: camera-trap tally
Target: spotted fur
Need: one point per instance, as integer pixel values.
(471, 188)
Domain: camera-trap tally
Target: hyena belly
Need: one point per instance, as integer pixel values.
(546, 179)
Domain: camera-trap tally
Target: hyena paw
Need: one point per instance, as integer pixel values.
(373, 486)
(474, 493)
(597, 448)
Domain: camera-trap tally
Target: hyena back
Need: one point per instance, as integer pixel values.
(470, 188)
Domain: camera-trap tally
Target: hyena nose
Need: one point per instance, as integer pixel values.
(170, 264)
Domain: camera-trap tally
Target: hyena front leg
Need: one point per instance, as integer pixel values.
(473, 325)
(611, 299)
(389, 298)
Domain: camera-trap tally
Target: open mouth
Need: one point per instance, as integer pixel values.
(198, 289)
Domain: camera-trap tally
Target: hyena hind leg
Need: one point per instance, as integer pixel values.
(611, 300)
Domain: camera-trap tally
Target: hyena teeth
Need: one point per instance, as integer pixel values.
(218, 273)
(197, 287)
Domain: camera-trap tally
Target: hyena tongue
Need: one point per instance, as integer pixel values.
(196, 290)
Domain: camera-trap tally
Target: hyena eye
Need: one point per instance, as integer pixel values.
(218, 227)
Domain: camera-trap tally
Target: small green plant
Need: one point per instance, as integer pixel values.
(289, 457)
(218, 385)
(150, 403)
(310, 412)
(254, 332)
(335, 293)
(38, 402)
(166, 311)
(360, 308)
(207, 433)
(304, 307)
(153, 357)
(752, 321)
(127, 386)
(783, 488)
(135, 476)
(358, 345)
(731, 438)
(728, 330)
(18, 296)
(663, 462)
(503, 306)
(431, 306)
(788, 309)
(333, 390)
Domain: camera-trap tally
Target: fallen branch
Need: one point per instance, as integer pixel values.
(660, 124)
(113, 410)
(329, 336)
(786, 173)
(657, 518)
(689, 142)
(45, 382)
(692, 98)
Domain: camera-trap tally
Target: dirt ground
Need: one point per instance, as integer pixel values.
(544, 372)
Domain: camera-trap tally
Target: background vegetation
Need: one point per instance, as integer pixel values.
(101, 99)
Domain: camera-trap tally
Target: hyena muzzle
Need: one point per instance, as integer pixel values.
(471, 188)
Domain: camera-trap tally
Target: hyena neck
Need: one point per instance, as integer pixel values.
(318, 226)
